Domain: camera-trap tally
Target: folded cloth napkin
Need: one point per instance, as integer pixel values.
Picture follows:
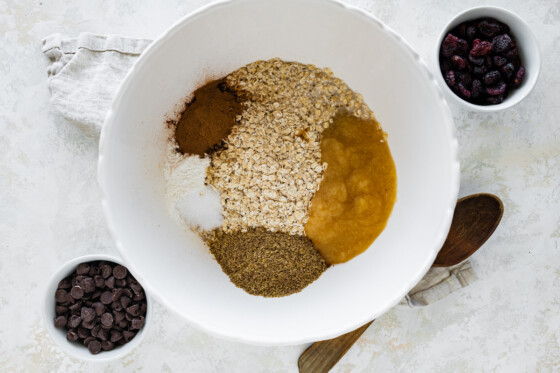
(83, 76)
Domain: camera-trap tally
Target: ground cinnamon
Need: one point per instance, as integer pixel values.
(208, 118)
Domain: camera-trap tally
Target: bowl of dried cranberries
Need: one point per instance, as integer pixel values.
(488, 59)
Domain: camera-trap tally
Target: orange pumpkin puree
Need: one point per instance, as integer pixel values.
(358, 190)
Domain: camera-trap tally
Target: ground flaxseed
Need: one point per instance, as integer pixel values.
(270, 264)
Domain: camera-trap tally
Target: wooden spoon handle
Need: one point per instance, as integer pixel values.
(321, 356)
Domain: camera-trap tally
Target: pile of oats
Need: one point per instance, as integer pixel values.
(271, 167)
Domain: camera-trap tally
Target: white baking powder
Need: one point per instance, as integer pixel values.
(190, 202)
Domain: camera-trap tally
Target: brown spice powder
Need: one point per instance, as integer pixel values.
(270, 264)
(208, 118)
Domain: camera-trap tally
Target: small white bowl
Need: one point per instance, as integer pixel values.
(74, 349)
(528, 50)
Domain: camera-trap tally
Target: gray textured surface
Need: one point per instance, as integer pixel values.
(509, 321)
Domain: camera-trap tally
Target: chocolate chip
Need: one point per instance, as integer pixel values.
(103, 334)
(60, 296)
(127, 292)
(83, 268)
(60, 310)
(87, 314)
(77, 292)
(70, 299)
(137, 323)
(118, 316)
(74, 321)
(72, 335)
(125, 301)
(106, 297)
(94, 270)
(120, 283)
(106, 271)
(89, 324)
(123, 323)
(107, 345)
(136, 288)
(116, 336)
(83, 332)
(60, 322)
(96, 294)
(116, 306)
(95, 330)
(78, 280)
(143, 309)
(138, 297)
(107, 319)
(99, 308)
(120, 272)
(65, 283)
(133, 310)
(110, 282)
(117, 294)
(94, 347)
(75, 308)
(99, 281)
(87, 340)
(128, 335)
(88, 285)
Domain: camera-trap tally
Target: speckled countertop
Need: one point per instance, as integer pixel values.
(509, 321)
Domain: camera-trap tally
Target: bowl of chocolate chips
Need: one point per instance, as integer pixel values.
(95, 309)
(488, 59)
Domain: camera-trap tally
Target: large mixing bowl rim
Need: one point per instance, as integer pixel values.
(327, 333)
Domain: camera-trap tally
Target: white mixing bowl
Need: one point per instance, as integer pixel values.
(177, 268)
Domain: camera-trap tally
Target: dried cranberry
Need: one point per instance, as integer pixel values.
(492, 77)
(449, 45)
(481, 49)
(480, 70)
(458, 62)
(494, 100)
(476, 60)
(498, 89)
(445, 65)
(488, 62)
(464, 78)
(501, 43)
(504, 27)
(461, 30)
(489, 27)
(476, 88)
(519, 76)
(475, 42)
(462, 90)
(471, 33)
(508, 70)
(449, 78)
(462, 47)
(511, 54)
(499, 60)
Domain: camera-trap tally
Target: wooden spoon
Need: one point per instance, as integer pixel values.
(474, 220)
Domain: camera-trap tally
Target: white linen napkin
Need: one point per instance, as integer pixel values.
(83, 76)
